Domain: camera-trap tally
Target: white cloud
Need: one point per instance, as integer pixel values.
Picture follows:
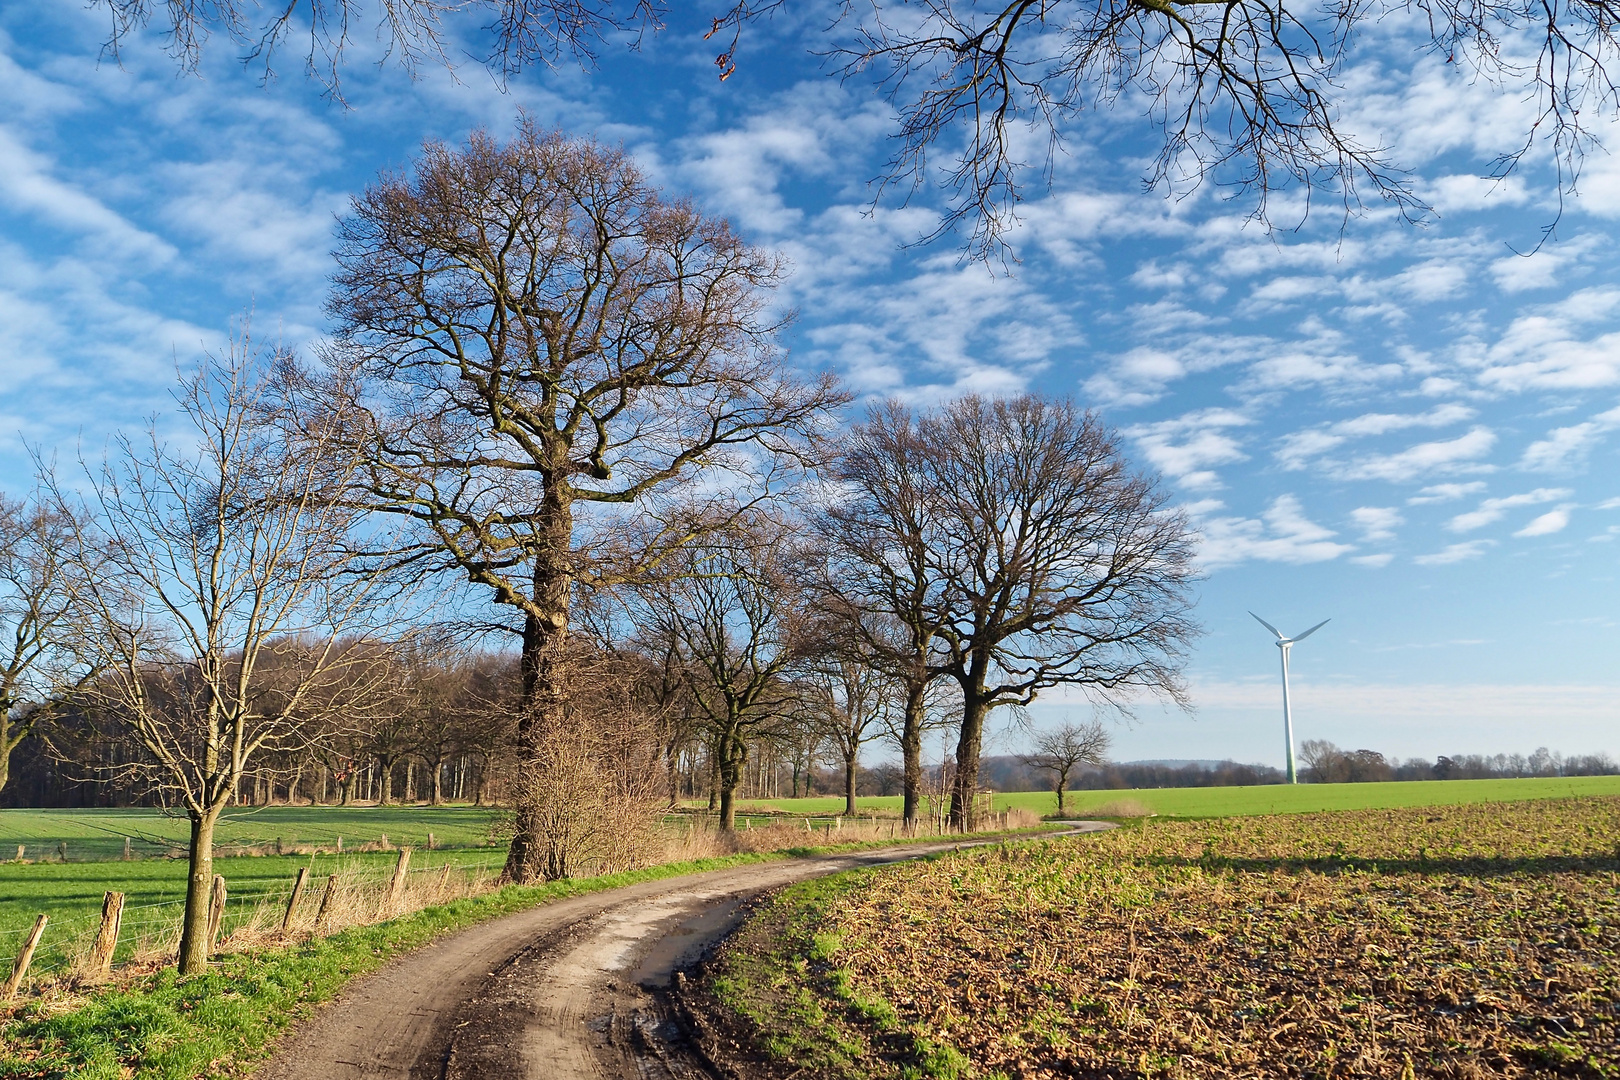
(1153, 276)
(1471, 549)
(1185, 448)
(1374, 562)
(1450, 455)
(1492, 510)
(1300, 447)
(1376, 522)
(28, 182)
(1445, 492)
(1566, 447)
(1544, 350)
(1310, 366)
(1461, 193)
(1547, 524)
(1282, 534)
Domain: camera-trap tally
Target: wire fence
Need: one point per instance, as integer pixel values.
(254, 906)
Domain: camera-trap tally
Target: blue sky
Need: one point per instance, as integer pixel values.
(1411, 429)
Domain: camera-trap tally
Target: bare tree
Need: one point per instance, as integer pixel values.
(1248, 93)
(1063, 749)
(1058, 564)
(735, 601)
(232, 623)
(537, 332)
(880, 590)
(462, 702)
(847, 704)
(43, 649)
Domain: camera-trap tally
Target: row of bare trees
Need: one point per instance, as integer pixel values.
(554, 410)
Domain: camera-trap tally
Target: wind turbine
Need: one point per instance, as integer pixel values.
(1283, 645)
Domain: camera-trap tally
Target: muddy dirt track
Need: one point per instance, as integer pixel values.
(576, 988)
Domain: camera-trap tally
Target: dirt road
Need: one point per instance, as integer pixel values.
(576, 988)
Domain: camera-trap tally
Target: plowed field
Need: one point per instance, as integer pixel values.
(1467, 941)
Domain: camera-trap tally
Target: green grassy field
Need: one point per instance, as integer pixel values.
(154, 892)
(99, 834)
(1242, 801)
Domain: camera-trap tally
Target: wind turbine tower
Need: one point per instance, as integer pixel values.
(1283, 645)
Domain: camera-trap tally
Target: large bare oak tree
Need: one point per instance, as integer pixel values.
(535, 330)
(1013, 549)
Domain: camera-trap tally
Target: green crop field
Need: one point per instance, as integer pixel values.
(1243, 801)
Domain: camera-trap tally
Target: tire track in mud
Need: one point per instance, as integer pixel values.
(582, 987)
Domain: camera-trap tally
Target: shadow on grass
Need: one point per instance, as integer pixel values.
(1480, 866)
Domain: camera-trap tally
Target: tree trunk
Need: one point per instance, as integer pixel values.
(385, 771)
(849, 781)
(911, 754)
(199, 891)
(8, 742)
(714, 776)
(734, 755)
(1062, 786)
(438, 781)
(968, 745)
(543, 665)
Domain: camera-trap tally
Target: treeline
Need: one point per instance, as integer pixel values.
(1326, 763)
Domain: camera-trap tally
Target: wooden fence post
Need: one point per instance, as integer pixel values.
(292, 901)
(326, 902)
(340, 843)
(396, 887)
(126, 849)
(216, 911)
(24, 958)
(112, 917)
(21, 848)
(431, 844)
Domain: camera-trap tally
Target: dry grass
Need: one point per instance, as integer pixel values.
(360, 898)
(699, 840)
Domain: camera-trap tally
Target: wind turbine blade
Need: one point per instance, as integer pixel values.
(1267, 625)
(1312, 630)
